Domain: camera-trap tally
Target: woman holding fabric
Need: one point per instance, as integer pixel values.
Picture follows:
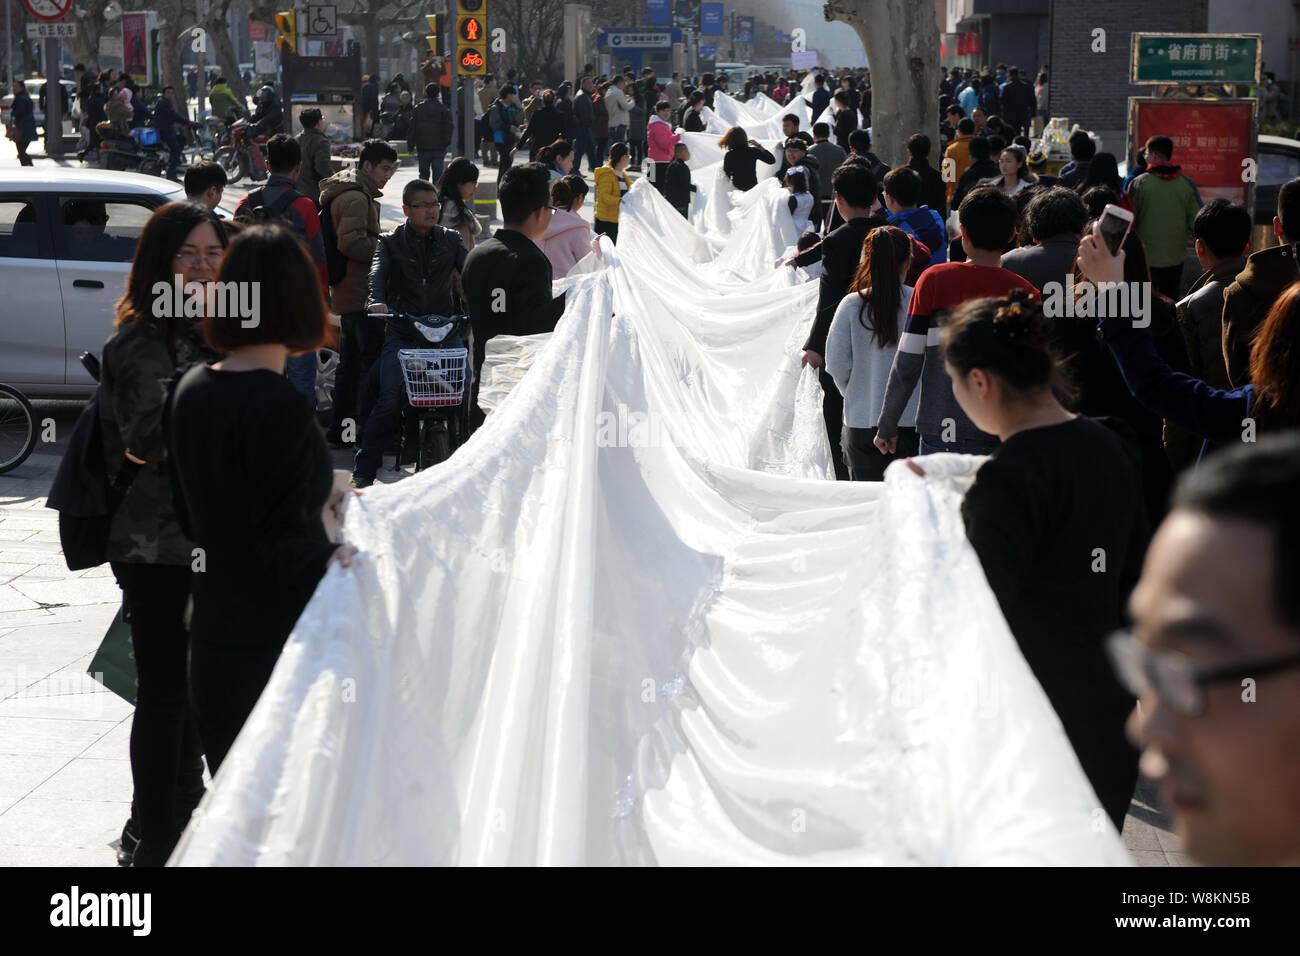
(612, 184)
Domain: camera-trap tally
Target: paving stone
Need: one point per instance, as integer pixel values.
(114, 745)
(10, 571)
(101, 704)
(71, 857)
(81, 824)
(1140, 857)
(71, 591)
(39, 735)
(11, 599)
(87, 778)
(20, 774)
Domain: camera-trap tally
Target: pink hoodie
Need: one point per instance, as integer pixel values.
(567, 239)
(662, 139)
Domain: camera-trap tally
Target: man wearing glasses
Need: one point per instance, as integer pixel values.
(416, 272)
(1215, 657)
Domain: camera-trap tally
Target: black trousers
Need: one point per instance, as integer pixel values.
(864, 460)
(21, 145)
(225, 683)
(606, 228)
(166, 754)
(833, 412)
(361, 341)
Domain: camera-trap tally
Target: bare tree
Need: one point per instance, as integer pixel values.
(901, 39)
(217, 25)
(372, 17)
(535, 28)
(89, 19)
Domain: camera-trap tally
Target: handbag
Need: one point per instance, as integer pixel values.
(82, 493)
(114, 662)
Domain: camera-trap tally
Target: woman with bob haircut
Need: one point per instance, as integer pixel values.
(256, 474)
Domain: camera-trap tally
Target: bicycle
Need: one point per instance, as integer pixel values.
(17, 428)
(437, 384)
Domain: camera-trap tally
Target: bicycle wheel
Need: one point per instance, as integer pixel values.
(17, 428)
(435, 445)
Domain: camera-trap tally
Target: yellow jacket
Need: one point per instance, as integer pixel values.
(958, 151)
(607, 192)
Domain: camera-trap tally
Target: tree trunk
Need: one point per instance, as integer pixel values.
(169, 49)
(901, 40)
(220, 45)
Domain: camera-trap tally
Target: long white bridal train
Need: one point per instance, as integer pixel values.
(631, 621)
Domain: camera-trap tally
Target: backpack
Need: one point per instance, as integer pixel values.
(255, 209)
(496, 120)
(336, 263)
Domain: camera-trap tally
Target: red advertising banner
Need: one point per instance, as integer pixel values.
(1213, 140)
(256, 31)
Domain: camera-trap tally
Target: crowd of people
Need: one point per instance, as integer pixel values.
(934, 331)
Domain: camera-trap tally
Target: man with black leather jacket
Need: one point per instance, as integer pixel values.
(416, 270)
(268, 116)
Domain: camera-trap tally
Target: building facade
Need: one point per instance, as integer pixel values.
(1090, 69)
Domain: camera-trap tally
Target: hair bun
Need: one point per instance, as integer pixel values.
(1019, 321)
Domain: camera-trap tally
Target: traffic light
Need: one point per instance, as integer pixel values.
(437, 38)
(286, 23)
(471, 37)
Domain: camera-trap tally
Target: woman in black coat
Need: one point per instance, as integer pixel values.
(256, 475)
(546, 126)
(742, 157)
(1057, 518)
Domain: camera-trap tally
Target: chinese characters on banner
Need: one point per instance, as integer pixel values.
(1211, 140)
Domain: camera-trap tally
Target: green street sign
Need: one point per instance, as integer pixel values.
(1172, 58)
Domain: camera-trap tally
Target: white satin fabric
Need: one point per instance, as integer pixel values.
(631, 622)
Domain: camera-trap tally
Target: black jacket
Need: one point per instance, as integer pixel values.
(971, 178)
(430, 126)
(692, 121)
(508, 284)
(546, 126)
(677, 184)
(934, 192)
(840, 252)
(1018, 103)
(416, 274)
(739, 164)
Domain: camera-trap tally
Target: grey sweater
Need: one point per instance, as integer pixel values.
(860, 367)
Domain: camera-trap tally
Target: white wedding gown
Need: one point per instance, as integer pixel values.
(631, 622)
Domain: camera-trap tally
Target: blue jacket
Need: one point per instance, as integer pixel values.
(1214, 414)
(165, 119)
(821, 98)
(924, 223)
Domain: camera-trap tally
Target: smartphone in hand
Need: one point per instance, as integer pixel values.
(1115, 224)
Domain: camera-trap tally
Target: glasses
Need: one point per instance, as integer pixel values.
(192, 259)
(425, 205)
(1174, 677)
(552, 208)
